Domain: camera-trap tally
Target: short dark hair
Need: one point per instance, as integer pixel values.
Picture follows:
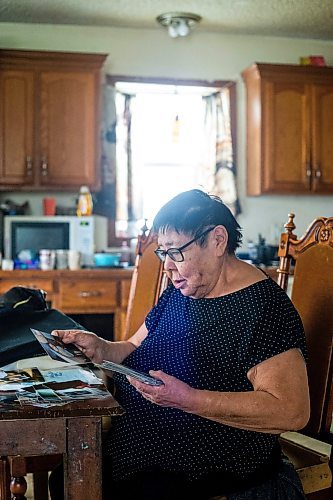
(191, 212)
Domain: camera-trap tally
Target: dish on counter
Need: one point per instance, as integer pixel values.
(107, 259)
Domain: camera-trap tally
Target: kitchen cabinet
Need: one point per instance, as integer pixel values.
(99, 292)
(289, 129)
(49, 120)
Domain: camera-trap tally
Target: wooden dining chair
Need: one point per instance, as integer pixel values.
(308, 263)
(17, 467)
(147, 283)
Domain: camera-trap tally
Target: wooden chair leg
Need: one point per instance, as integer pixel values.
(18, 488)
(18, 483)
(4, 479)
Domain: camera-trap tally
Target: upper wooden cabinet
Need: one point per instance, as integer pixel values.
(49, 120)
(289, 129)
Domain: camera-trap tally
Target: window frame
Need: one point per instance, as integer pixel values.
(113, 240)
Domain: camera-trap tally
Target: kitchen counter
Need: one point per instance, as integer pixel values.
(85, 291)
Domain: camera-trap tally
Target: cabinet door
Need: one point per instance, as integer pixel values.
(286, 131)
(68, 129)
(16, 127)
(322, 138)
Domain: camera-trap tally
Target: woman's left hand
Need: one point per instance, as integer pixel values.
(173, 393)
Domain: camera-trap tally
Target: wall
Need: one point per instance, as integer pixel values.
(208, 56)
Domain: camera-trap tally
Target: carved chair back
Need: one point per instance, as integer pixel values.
(310, 259)
(148, 282)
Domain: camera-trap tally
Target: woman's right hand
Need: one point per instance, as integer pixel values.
(89, 343)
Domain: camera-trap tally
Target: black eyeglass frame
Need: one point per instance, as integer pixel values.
(161, 254)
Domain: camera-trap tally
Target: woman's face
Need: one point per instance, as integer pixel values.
(198, 274)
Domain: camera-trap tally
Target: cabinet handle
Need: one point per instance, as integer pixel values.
(44, 166)
(29, 165)
(308, 171)
(86, 295)
(318, 173)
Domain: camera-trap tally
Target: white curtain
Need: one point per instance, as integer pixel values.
(219, 158)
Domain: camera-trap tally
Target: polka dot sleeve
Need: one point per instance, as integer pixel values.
(278, 329)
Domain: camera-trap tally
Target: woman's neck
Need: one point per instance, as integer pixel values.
(235, 275)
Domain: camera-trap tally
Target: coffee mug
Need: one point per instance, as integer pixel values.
(61, 259)
(74, 260)
(7, 265)
(46, 259)
(49, 206)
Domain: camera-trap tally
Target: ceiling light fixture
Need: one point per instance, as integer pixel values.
(178, 23)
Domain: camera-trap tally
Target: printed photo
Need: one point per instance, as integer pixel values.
(8, 401)
(59, 351)
(18, 376)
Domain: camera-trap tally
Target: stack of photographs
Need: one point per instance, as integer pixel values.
(55, 387)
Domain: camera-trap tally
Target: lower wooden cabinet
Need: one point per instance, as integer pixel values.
(45, 284)
(98, 291)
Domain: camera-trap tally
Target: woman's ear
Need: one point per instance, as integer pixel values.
(220, 239)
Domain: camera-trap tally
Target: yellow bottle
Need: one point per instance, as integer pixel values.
(85, 203)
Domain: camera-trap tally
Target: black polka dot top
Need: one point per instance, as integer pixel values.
(209, 344)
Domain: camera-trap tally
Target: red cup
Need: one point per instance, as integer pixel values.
(49, 206)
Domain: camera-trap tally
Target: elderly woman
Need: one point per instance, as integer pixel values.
(229, 347)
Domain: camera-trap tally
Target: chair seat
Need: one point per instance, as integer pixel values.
(310, 458)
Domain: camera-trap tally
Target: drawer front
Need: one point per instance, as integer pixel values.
(90, 295)
(46, 285)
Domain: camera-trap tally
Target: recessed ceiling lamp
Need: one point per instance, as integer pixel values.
(178, 23)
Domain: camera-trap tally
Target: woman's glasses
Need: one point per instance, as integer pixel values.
(176, 254)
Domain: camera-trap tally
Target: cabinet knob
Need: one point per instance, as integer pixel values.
(318, 173)
(308, 171)
(44, 166)
(29, 165)
(93, 293)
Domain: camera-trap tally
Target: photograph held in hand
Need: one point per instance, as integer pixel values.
(59, 351)
(69, 353)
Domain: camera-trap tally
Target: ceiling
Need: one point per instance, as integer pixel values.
(287, 18)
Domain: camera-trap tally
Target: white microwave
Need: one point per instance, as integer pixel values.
(86, 234)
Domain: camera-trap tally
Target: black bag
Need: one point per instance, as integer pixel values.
(22, 299)
(21, 309)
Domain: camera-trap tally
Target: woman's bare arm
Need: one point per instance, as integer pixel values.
(279, 400)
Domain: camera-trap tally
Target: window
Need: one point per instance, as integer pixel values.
(163, 147)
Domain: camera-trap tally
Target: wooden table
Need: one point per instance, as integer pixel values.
(73, 430)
